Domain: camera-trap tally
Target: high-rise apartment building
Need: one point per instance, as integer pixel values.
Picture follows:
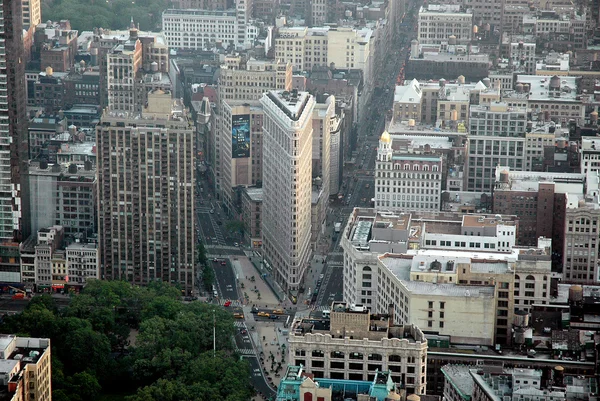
(323, 124)
(123, 66)
(63, 195)
(133, 67)
(13, 125)
(241, 140)
(249, 79)
(32, 13)
(146, 193)
(343, 47)
(581, 262)
(497, 136)
(241, 85)
(323, 120)
(26, 368)
(287, 185)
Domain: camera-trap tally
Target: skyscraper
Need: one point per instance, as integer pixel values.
(13, 124)
(32, 13)
(146, 193)
(287, 176)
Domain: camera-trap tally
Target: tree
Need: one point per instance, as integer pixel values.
(44, 300)
(208, 277)
(161, 306)
(201, 252)
(236, 226)
(84, 386)
(203, 378)
(88, 350)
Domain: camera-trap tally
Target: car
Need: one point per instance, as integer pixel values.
(223, 263)
(215, 260)
(243, 331)
(238, 315)
(227, 304)
(236, 244)
(273, 317)
(254, 310)
(278, 311)
(263, 314)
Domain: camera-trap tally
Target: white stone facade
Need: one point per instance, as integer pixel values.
(406, 181)
(287, 185)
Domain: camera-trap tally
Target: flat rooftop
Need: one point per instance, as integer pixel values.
(444, 8)
(255, 194)
(470, 220)
(291, 103)
(540, 87)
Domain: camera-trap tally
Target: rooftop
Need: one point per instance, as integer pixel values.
(403, 127)
(68, 173)
(255, 194)
(444, 8)
(462, 53)
(368, 228)
(291, 103)
(460, 378)
(546, 87)
(529, 181)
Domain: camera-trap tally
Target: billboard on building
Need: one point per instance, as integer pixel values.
(240, 136)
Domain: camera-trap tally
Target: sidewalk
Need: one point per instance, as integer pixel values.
(252, 292)
(266, 275)
(272, 350)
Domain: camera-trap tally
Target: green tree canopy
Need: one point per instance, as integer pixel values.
(172, 350)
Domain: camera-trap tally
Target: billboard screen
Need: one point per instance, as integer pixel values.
(240, 136)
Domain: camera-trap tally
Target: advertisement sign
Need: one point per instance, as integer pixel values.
(240, 136)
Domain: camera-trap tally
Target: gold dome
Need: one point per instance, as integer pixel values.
(385, 137)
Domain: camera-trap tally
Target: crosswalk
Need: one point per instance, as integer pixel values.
(218, 233)
(239, 324)
(321, 308)
(234, 302)
(245, 351)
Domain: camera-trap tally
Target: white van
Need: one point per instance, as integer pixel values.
(326, 314)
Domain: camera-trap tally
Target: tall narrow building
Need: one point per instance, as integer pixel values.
(13, 124)
(146, 193)
(287, 176)
(32, 13)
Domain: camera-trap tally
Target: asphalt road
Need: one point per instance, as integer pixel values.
(225, 281)
(258, 380)
(332, 285)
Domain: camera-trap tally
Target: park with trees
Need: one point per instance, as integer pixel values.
(86, 15)
(115, 341)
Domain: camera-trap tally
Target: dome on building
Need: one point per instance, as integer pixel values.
(385, 137)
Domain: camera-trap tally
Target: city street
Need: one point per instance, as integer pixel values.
(358, 184)
(225, 280)
(238, 283)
